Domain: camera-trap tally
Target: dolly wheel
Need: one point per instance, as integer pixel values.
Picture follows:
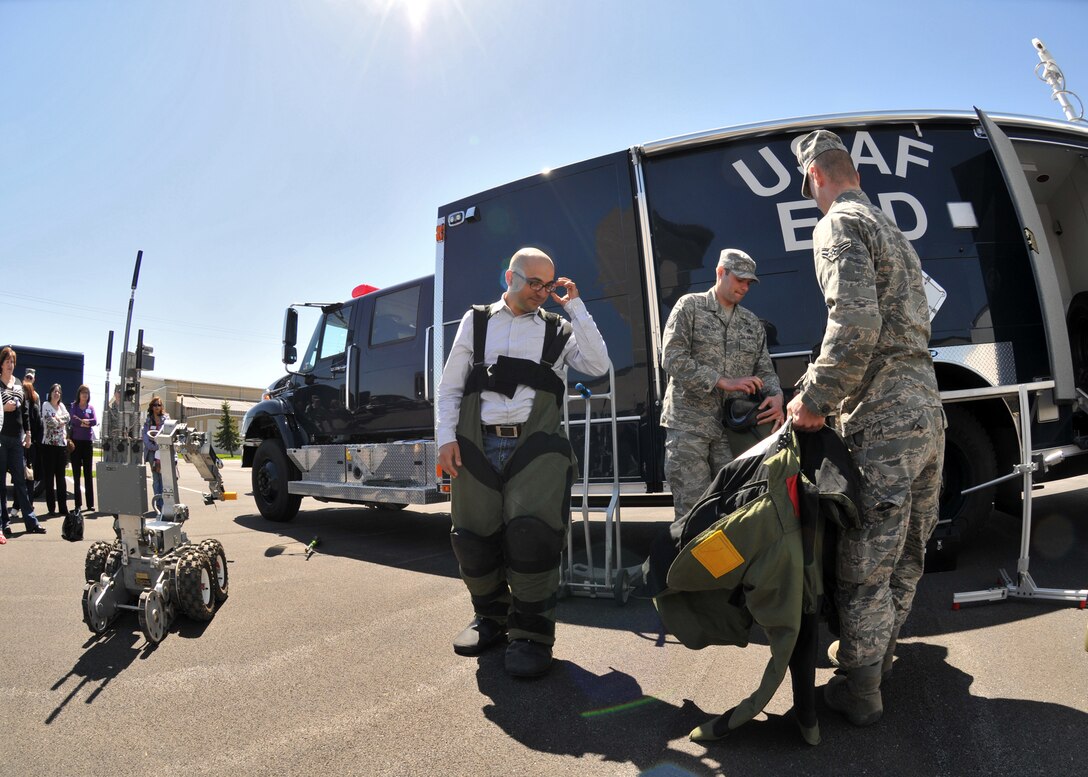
(213, 549)
(194, 585)
(152, 616)
(96, 619)
(621, 588)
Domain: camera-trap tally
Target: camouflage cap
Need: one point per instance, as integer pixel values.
(738, 263)
(811, 146)
(29, 373)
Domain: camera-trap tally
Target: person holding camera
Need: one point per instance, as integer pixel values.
(713, 350)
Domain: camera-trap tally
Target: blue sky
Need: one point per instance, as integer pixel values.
(263, 152)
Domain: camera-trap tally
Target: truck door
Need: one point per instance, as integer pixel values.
(389, 399)
(1042, 260)
(319, 402)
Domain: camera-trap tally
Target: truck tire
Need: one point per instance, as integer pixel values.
(271, 474)
(1077, 322)
(213, 549)
(95, 564)
(194, 585)
(969, 460)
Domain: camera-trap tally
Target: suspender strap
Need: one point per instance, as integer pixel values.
(480, 316)
(508, 373)
(556, 334)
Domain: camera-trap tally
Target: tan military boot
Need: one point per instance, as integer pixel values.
(885, 665)
(856, 694)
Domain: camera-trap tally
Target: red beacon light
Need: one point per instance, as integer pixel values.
(362, 289)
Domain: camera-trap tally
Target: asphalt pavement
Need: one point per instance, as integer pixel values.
(341, 664)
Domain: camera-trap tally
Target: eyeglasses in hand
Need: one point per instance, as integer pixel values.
(536, 285)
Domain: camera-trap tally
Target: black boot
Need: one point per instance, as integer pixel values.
(525, 658)
(478, 636)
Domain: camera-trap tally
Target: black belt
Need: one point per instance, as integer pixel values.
(502, 430)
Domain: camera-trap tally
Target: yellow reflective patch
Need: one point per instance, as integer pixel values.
(717, 554)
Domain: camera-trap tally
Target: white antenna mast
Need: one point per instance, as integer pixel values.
(1048, 70)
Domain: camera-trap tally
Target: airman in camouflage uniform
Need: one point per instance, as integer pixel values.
(713, 350)
(875, 373)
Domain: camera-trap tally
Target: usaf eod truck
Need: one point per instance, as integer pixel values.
(997, 208)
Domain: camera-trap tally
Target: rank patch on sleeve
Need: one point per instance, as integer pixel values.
(831, 253)
(717, 554)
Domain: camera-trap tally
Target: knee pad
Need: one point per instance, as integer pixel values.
(531, 545)
(477, 555)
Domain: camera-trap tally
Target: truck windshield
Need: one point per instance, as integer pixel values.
(330, 338)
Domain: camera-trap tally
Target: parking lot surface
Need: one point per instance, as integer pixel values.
(342, 664)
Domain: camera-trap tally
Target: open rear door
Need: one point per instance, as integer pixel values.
(1042, 262)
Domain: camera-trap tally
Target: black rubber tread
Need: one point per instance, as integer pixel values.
(95, 563)
(113, 559)
(969, 460)
(271, 473)
(213, 549)
(195, 597)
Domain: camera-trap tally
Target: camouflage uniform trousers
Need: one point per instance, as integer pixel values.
(879, 565)
(691, 462)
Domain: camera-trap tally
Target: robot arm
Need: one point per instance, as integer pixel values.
(195, 448)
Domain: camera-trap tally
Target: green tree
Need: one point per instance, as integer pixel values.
(226, 436)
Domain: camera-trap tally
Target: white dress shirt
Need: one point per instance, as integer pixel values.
(519, 337)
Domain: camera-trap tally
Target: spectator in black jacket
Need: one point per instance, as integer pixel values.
(14, 438)
(33, 453)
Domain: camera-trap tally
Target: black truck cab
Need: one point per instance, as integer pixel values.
(360, 380)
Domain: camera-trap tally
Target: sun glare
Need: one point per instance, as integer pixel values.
(415, 11)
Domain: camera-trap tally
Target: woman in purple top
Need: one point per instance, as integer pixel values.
(83, 419)
(14, 438)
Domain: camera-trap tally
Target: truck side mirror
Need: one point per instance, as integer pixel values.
(290, 336)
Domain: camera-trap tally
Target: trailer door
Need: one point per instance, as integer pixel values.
(1042, 261)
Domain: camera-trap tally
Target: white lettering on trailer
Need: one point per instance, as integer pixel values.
(792, 219)
(864, 141)
(790, 224)
(753, 183)
(887, 202)
(904, 158)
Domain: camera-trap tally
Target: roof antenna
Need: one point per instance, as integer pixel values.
(1048, 70)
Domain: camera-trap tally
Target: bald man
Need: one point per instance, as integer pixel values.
(498, 428)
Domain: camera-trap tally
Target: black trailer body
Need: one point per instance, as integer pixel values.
(998, 216)
(997, 209)
(51, 366)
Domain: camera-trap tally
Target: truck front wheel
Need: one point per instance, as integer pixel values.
(271, 473)
(968, 461)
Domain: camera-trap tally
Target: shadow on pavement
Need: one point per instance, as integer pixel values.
(105, 657)
(932, 725)
(419, 542)
(403, 539)
(572, 711)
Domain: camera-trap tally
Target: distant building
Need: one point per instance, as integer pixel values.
(198, 404)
